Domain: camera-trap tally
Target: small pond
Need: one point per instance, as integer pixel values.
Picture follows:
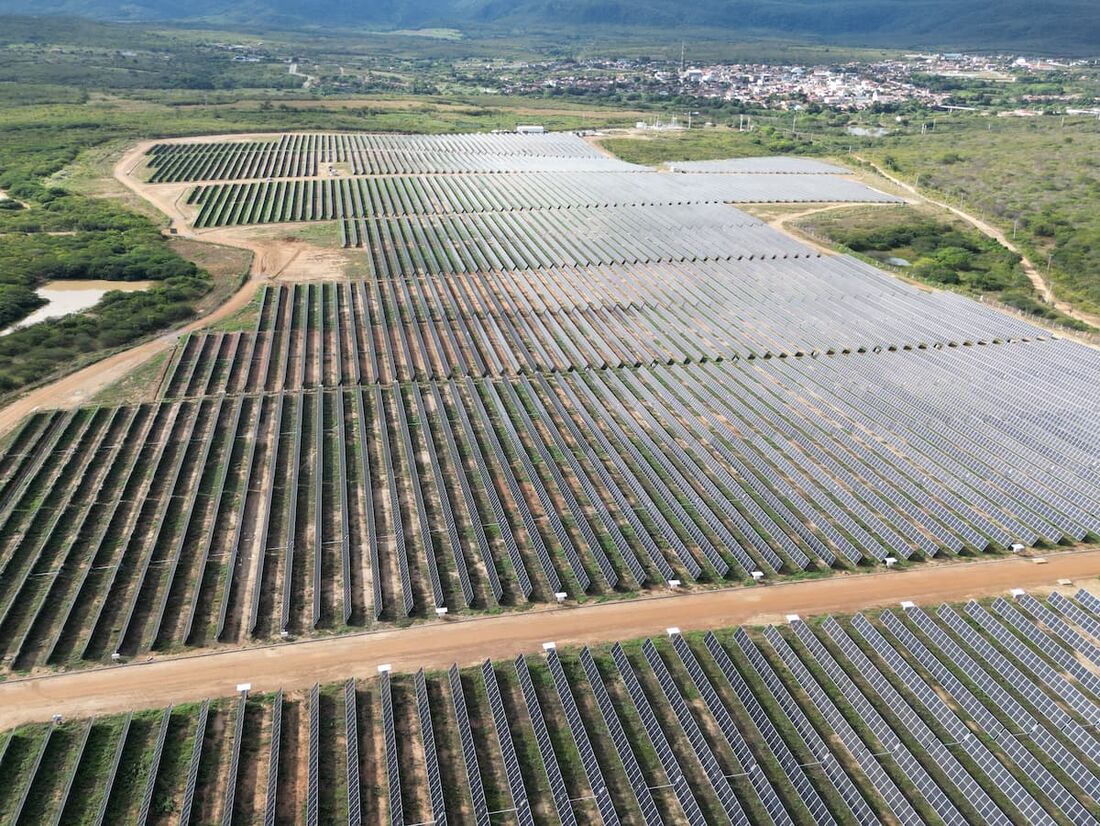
(67, 297)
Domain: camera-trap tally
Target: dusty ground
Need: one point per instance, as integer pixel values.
(158, 683)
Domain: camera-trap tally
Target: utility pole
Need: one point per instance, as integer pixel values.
(683, 58)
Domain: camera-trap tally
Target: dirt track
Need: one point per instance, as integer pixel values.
(158, 683)
(1032, 272)
(271, 257)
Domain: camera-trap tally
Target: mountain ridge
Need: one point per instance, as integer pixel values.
(1060, 26)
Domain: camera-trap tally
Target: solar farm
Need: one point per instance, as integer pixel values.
(563, 402)
(975, 713)
(559, 379)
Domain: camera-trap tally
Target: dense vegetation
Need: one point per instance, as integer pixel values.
(16, 302)
(1038, 178)
(937, 250)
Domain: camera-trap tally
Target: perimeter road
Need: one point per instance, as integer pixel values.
(155, 684)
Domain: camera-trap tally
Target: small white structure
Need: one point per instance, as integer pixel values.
(890, 561)
(441, 612)
(244, 688)
(385, 668)
(757, 576)
(673, 631)
(1017, 548)
(531, 129)
(1017, 593)
(1065, 583)
(674, 583)
(549, 646)
(907, 604)
(793, 618)
(561, 596)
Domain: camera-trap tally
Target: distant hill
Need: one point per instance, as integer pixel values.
(1053, 26)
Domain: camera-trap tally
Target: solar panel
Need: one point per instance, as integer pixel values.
(610, 526)
(154, 767)
(667, 757)
(1005, 737)
(1081, 618)
(389, 473)
(512, 769)
(1047, 675)
(234, 760)
(550, 462)
(469, 751)
(274, 750)
(109, 782)
(1069, 636)
(1089, 601)
(891, 794)
(734, 739)
(412, 475)
(625, 473)
(765, 730)
(458, 471)
(533, 535)
(431, 758)
(536, 484)
(985, 760)
(890, 738)
(627, 758)
(32, 775)
(806, 734)
(193, 764)
(546, 746)
(443, 498)
(314, 756)
(580, 740)
(1022, 684)
(718, 781)
(351, 754)
(1049, 648)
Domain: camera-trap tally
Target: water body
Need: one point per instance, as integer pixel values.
(67, 297)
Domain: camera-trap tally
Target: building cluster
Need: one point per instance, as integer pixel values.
(852, 86)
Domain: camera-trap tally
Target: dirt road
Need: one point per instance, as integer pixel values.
(1032, 272)
(271, 256)
(157, 683)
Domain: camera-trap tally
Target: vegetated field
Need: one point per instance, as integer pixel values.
(910, 715)
(1034, 174)
(937, 248)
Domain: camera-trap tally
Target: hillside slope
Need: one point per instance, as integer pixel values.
(1059, 26)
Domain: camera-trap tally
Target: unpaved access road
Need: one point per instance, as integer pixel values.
(1038, 281)
(271, 257)
(157, 683)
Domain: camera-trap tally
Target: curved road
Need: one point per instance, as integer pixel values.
(436, 645)
(984, 227)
